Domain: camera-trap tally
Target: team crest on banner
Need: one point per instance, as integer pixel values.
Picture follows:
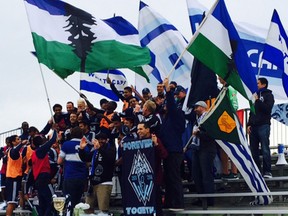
(138, 168)
(141, 177)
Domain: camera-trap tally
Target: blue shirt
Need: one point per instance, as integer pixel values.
(74, 168)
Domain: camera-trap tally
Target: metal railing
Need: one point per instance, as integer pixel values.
(279, 132)
(6, 134)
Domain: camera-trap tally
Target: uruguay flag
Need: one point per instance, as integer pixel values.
(97, 83)
(166, 45)
(275, 50)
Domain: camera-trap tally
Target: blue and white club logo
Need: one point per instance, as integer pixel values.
(141, 177)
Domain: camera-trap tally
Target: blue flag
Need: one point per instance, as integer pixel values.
(275, 50)
(253, 38)
(222, 51)
(166, 44)
(96, 82)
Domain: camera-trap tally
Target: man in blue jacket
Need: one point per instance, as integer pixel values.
(172, 128)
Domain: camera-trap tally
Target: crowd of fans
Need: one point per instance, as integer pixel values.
(84, 149)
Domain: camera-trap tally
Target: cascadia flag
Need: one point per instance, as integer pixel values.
(97, 83)
(221, 123)
(253, 38)
(217, 45)
(68, 39)
(275, 49)
(166, 45)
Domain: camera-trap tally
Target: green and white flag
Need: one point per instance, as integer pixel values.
(68, 39)
(222, 124)
(217, 45)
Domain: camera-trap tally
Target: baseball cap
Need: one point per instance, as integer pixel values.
(179, 89)
(145, 91)
(201, 103)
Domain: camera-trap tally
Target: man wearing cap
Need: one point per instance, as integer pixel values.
(180, 94)
(203, 154)
(146, 94)
(173, 125)
(173, 85)
(103, 159)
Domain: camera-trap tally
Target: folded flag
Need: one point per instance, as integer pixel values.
(68, 39)
(222, 51)
(221, 123)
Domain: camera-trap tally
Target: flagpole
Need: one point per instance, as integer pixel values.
(260, 67)
(46, 91)
(193, 37)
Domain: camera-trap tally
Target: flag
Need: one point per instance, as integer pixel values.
(96, 82)
(253, 38)
(166, 45)
(279, 113)
(196, 12)
(203, 84)
(222, 124)
(68, 39)
(275, 49)
(222, 51)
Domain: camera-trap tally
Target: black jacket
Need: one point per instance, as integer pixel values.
(263, 108)
(104, 163)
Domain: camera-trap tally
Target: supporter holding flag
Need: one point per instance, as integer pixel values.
(223, 52)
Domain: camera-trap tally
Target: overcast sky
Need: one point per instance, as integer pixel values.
(22, 94)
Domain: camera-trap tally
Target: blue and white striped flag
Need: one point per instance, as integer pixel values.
(275, 49)
(253, 38)
(221, 123)
(195, 11)
(97, 83)
(166, 44)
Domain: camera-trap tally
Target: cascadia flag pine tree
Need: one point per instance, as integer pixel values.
(68, 39)
(222, 124)
(217, 45)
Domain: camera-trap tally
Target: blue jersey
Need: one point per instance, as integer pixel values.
(74, 168)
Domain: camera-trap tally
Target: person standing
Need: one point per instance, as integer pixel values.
(143, 131)
(42, 172)
(171, 130)
(14, 173)
(75, 170)
(3, 155)
(258, 126)
(226, 174)
(203, 154)
(102, 159)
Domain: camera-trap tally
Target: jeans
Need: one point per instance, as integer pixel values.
(260, 134)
